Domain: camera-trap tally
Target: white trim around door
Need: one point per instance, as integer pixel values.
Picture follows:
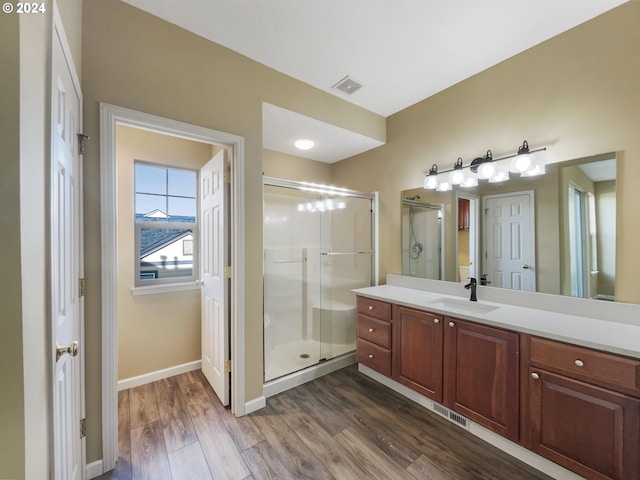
(110, 116)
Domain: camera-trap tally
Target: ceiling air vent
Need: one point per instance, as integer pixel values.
(347, 85)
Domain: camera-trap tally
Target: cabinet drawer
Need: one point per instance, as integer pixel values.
(591, 365)
(374, 356)
(374, 330)
(374, 308)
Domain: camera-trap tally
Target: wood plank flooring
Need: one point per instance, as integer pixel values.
(342, 426)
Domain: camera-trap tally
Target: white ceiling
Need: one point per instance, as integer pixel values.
(281, 128)
(401, 51)
(600, 171)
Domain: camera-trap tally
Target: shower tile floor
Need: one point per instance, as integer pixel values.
(298, 355)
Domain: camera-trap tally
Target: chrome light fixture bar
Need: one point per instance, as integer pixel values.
(485, 168)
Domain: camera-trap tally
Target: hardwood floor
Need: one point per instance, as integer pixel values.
(341, 426)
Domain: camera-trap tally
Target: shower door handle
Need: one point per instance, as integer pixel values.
(333, 254)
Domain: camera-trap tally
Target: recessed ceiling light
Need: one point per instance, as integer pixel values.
(304, 144)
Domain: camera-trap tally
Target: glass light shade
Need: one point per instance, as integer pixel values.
(470, 181)
(523, 163)
(501, 176)
(444, 187)
(431, 182)
(537, 170)
(457, 176)
(486, 170)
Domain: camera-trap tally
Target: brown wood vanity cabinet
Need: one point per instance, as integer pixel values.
(481, 375)
(470, 368)
(417, 351)
(583, 408)
(373, 342)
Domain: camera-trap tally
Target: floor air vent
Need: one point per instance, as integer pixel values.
(452, 416)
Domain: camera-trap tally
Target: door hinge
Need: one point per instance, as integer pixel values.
(227, 176)
(82, 138)
(227, 366)
(81, 287)
(227, 272)
(83, 428)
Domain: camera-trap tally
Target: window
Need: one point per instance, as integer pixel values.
(166, 225)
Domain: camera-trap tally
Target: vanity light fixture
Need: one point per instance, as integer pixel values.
(457, 176)
(524, 161)
(431, 181)
(485, 168)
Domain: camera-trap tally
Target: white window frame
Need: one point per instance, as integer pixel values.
(162, 285)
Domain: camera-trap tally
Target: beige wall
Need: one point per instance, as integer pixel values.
(290, 167)
(576, 93)
(137, 61)
(154, 331)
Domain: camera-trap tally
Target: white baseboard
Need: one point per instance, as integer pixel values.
(158, 375)
(279, 385)
(254, 405)
(94, 469)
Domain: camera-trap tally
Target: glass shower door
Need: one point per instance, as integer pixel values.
(346, 263)
(291, 280)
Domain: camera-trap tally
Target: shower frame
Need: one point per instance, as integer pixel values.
(277, 385)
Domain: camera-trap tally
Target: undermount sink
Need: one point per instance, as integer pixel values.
(462, 305)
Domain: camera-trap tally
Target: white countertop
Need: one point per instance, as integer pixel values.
(617, 337)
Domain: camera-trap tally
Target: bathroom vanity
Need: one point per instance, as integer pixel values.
(559, 384)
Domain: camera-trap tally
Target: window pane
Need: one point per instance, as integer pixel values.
(153, 205)
(182, 183)
(163, 254)
(182, 207)
(150, 179)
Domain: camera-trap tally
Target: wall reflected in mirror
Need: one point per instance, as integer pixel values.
(553, 233)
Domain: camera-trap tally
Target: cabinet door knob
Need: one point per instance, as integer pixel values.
(371, 330)
(535, 376)
(370, 307)
(579, 363)
(371, 355)
(436, 320)
(452, 324)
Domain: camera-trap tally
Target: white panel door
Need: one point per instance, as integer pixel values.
(214, 285)
(66, 303)
(509, 240)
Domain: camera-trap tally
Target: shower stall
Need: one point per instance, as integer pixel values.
(319, 244)
(422, 239)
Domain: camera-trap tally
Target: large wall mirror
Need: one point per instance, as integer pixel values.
(553, 233)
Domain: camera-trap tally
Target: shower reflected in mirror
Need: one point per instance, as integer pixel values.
(422, 232)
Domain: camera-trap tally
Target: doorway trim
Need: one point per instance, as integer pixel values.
(110, 116)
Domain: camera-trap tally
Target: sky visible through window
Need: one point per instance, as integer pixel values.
(169, 190)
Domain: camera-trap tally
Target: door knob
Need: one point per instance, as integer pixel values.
(71, 350)
(526, 266)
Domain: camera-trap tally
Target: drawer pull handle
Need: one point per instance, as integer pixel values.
(371, 330)
(535, 376)
(370, 307)
(452, 324)
(371, 355)
(579, 363)
(436, 320)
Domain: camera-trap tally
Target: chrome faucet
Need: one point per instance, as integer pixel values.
(472, 285)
